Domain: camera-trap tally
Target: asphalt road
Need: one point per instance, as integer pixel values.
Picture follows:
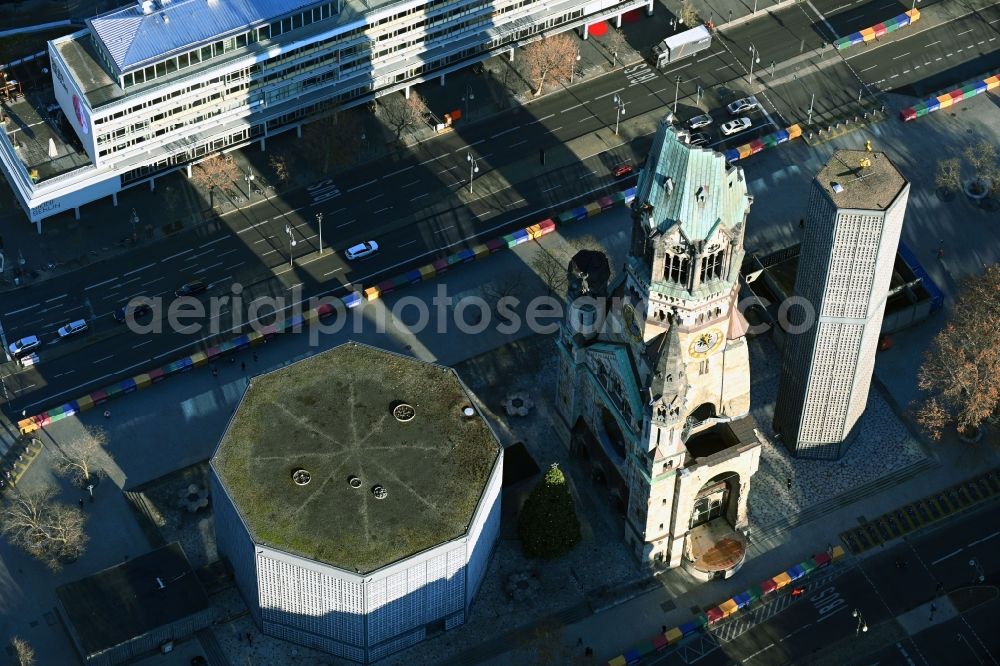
(821, 624)
(418, 207)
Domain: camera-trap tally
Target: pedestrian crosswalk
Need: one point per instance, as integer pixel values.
(323, 191)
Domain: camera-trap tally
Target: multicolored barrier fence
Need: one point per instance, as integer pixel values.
(879, 29)
(949, 98)
(740, 601)
(757, 145)
(350, 300)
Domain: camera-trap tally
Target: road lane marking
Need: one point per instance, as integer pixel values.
(68, 372)
(297, 284)
(575, 106)
(335, 270)
(377, 196)
(202, 270)
(114, 279)
(138, 269)
(515, 145)
(551, 115)
(416, 182)
(229, 268)
(441, 231)
(358, 187)
(213, 242)
(267, 253)
(985, 538)
(396, 173)
(407, 243)
(421, 196)
(448, 169)
(179, 254)
(867, 68)
(433, 159)
(141, 344)
(964, 33)
(901, 55)
(945, 557)
(506, 131)
(57, 298)
(551, 188)
(102, 360)
(516, 202)
(557, 129)
(381, 210)
(346, 223)
(254, 226)
(12, 312)
(613, 92)
(933, 43)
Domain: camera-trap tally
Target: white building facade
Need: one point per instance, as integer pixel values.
(855, 217)
(155, 86)
(359, 617)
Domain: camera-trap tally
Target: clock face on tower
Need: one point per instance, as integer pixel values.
(705, 343)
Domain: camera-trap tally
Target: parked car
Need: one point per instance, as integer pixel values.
(191, 288)
(742, 105)
(736, 126)
(24, 346)
(697, 122)
(699, 139)
(72, 328)
(623, 170)
(137, 311)
(361, 250)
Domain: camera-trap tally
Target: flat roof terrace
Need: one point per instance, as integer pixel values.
(30, 128)
(335, 416)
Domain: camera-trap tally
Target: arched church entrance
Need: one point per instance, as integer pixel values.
(714, 548)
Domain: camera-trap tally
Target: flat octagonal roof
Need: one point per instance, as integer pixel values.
(332, 415)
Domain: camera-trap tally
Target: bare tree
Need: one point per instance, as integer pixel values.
(689, 15)
(402, 113)
(550, 57)
(43, 527)
(78, 457)
(23, 651)
(961, 370)
(504, 286)
(334, 141)
(948, 176)
(552, 272)
(982, 157)
(216, 171)
(279, 164)
(616, 43)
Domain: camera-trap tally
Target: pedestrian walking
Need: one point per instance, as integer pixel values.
(249, 638)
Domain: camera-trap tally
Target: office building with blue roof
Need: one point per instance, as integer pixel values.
(158, 85)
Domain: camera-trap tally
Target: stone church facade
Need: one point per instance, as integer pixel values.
(654, 377)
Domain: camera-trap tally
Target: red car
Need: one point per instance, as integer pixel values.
(623, 170)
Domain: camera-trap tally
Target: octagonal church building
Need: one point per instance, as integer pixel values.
(654, 379)
(357, 497)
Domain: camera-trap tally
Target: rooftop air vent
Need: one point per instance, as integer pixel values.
(468, 412)
(379, 492)
(147, 6)
(354, 482)
(301, 477)
(837, 187)
(668, 185)
(403, 412)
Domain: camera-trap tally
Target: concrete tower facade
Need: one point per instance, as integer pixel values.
(854, 219)
(654, 383)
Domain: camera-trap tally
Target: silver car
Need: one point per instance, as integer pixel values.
(703, 120)
(742, 105)
(361, 250)
(72, 328)
(24, 346)
(736, 126)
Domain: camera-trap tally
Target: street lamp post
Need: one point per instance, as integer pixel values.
(754, 58)
(469, 97)
(473, 168)
(980, 576)
(862, 625)
(291, 245)
(134, 219)
(811, 101)
(249, 178)
(677, 89)
(619, 111)
(572, 74)
(319, 221)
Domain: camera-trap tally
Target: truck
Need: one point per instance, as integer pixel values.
(681, 45)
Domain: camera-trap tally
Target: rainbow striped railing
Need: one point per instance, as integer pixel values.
(949, 98)
(715, 614)
(350, 300)
(757, 145)
(870, 34)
